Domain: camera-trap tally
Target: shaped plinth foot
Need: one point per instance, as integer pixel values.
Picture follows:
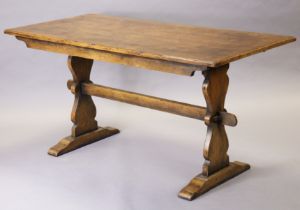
(201, 184)
(71, 143)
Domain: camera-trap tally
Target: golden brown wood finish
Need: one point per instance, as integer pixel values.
(216, 168)
(130, 60)
(85, 129)
(161, 104)
(148, 39)
(216, 144)
(71, 143)
(201, 184)
(84, 110)
(164, 47)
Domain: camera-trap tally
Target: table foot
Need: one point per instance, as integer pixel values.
(201, 184)
(71, 143)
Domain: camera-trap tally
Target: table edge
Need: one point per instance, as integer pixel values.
(216, 63)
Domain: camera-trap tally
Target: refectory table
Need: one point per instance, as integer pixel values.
(171, 48)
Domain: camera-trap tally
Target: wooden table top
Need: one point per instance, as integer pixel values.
(171, 42)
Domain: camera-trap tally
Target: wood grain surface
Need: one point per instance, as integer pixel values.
(171, 42)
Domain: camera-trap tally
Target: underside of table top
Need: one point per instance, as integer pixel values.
(148, 39)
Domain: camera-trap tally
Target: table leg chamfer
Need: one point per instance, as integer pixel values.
(85, 129)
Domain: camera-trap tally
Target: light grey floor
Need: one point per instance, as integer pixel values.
(156, 153)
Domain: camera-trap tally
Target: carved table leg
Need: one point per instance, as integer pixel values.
(216, 168)
(85, 129)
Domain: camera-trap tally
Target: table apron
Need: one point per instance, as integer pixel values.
(102, 55)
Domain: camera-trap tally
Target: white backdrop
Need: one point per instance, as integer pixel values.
(156, 153)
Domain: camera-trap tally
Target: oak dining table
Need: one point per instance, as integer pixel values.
(165, 47)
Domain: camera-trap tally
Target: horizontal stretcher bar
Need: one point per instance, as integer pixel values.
(161, 104)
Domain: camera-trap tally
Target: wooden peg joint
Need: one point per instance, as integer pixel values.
(223, 117)
(74, 87)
